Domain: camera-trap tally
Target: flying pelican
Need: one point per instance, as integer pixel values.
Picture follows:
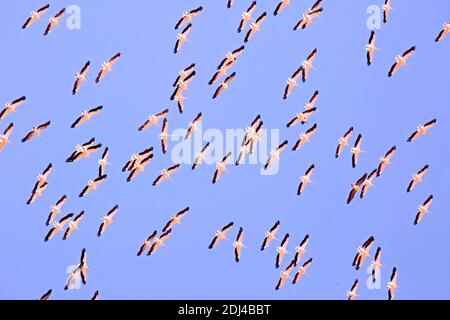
(280, 6)
(157, 242)
(308, 64)
(183, 85)
(58, 226)
(356, 150)
(153, 119)
(53, 21)
(46, 295)
(281, 250)
(423, 209)
(356, 187)
(270, 235)
(36, 131)
(368, 182)
(183, 74)
(107, 220)
(73, 225)
(376, 264)
(37, 192)
(107, 67)
(386, 160)
(166, 174)
(305, 180)
(255, 137)
(301, 117)
(11, 107)
(103, 162)
(238, 245)
(147, 243)
(221, 167)
(86, 115)
(35, 16)
(222, 71)
(343, 142)
(301, 249)
(83, 267)
(284, 275)
(55, 209)
(392, 284)
(422, 130)
(230, 57)
(95, 296)
(92, 185)
(386, 10)
(445, 30)
(250, 130)
(187, 17)
(4, 138)
(80, 77)
(255, 26)
(224, 85)
(302, 270)
(312, 102)
(139, 167)
(200, 156)
(175, 219)
(362, 253)
(291, 83)
(246, 16)
(307, 18)
(304, 137)
(417, 178)
(351, 295)
(275, 154)
(220, 234)
(193, 125)
(182, 38)
(136, 158)
(400, 61)
(164, 135)
(83, 151)
(370, 48)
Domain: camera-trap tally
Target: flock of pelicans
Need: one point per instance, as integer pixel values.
(140, 160)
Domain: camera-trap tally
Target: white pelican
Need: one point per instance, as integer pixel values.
(187, 17)
(230, 57)
(224, 85)
(11, 107)
(255, 26)
(183, 85)
(73, 225)
(304, 137)
(80, 77)
(270, 235)
(220, 234)
(238, 245)
(356, 150)
(175, 219)
(356, 187)
(386, 160)
(312, 102)
(58, 226)
(95, 296)
(153, 119)
(343, 142)
(221, 167)
(308, 64)
(291, 83)
(103, 162)
(157, 242)
(56, 209)
(280, 6)
(35, 16)
(83, 151)
(400, 60)
(164, 135)
(301, 249)
(368, 183)
(246, 16)
(86, 115)
(92, 185)
(275, 154)
(182, 38)
(166, 174)
(183, 74)
(107, 220)
(301, 117)
(284, 275)
(139, 167)
(305, 180)
(83, 267)
(376, 264)
(42, 178)
(417, 178)
(281, 250)
(307, 18)
(37, 192)
(386, 10)
(362, 253)
(147, 243)
(250, 130)
(392, 284)
(107, 67)
(53, 21)
(136, 158)
(422, 130)
(80, 149)
(193, 125)
(445, 30)
(4, 138)
(302, 270)
(200, 156)
(36, 131)
(351, 295)
(370, 48)
(46, 295)
(423, 209)
(222, 71)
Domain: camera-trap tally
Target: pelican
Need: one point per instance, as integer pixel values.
(386, 160)
(73, 225)
(175, 219)
(356, 187)
(238, 245)
(46, 295)
(36, 131)
(275, 154)
(280, 6)
(255, 26)
(92, 185)
(370, 48)
(56, 209)
(86, 116)
(187, 17)
(386, 10)
(200, 156)
(417, 178)
(392, 284)
(42, 178)
(35, 16)
(302, 270)
(351, 295)
(164, 135)
(182, 38)
(183, 74)
(83, 267)
(11, 107)
(400, 60)
(304, 137)
(301, 249)
(250, 130)
(224, 85)
(356, 150)
(139, 167)
(183, 85)
(95, 296)
(80, 77)
(255, 137)
(193, 125)
(147, 243)
(58, 226)
(312, 102)
(307, 18)
(284, 275)
(80, 149)
(166, 174)
(221, 167)
(301, 117)
(222, 71)
(107, 220)
(83, 151)
(246, 16)
(343, 142)
(220, 234)
(103, 162)
(270, 235)
(422, 130)
(37, 192)
(135, 158)
(153, 119)
(54, 21)
(107, 67)
(291, 83)
(281, 250)
(305, 180)
(4, 138)
(231, 57)
(445, 30)
(423, 209)
(157, 242)
(362, 253)
(368, 182)
(376, 264)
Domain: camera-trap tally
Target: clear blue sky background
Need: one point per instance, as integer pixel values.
(384, 110)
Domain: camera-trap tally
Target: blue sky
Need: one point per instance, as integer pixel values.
(385, 111)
